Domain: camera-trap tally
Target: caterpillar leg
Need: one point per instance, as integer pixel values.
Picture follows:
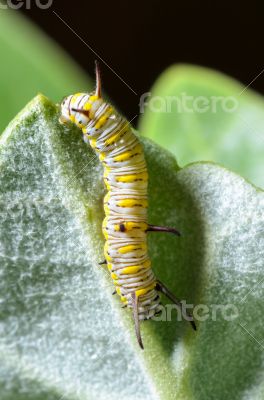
(136, 319)
(102, 262)
(155, 228)
(163, 289)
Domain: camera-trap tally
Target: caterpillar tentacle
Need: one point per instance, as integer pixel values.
(163, 289)
(135, 307)
(125, 225)
(155, 228)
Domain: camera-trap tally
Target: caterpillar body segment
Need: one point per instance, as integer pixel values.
(125, 225)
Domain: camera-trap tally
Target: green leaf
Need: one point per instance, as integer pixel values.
(32, 63)
(220, 121)
(63, 335)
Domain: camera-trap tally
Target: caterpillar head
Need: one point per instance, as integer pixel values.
(81, 107)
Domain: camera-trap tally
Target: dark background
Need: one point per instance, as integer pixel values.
(140, 39)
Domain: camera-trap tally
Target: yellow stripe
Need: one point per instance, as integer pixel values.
(132, 178)
(106, 255)
(114, 276)
(107, 197)
(107, 185)
(106, 209)
(74, 98)
(93, 98)
(105, 222)
(124, 156)
(87, 106)
(135, 268)
(109, 266)
(130, 270)
(93, 143)
(129, 226)
(132, 247)
(141, 292)
(128, 154)
(107, 170)
(101, 122)
(112, 139)
(132, 203)
(102, 156)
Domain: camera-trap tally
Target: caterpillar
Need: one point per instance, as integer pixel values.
(125, 225)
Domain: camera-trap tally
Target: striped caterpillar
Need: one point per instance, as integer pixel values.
(125, 225)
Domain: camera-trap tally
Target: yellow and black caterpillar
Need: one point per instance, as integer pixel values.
(125, 225)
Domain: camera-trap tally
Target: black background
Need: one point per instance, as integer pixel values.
(140, 39)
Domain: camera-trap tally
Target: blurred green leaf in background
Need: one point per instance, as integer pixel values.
(31, 63)
(200, 114)
(62, 334)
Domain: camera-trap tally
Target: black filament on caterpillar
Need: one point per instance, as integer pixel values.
(125, 226)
